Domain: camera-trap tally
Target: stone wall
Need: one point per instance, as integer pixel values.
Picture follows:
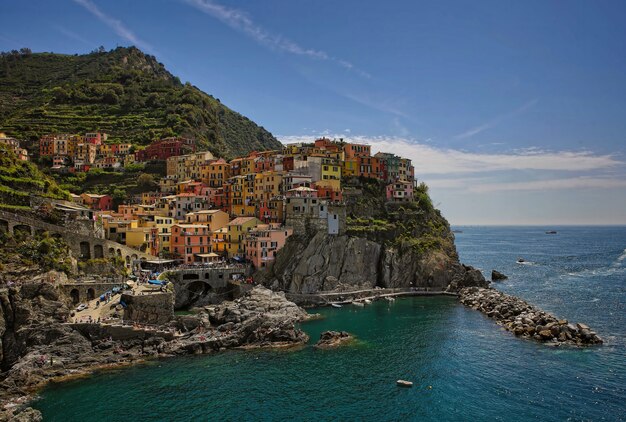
(155, 308)
(82, 292)
(203, 286)
(95, 331)
(83, 246)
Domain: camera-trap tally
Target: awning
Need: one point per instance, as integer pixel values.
(157, 282)
(207, 255)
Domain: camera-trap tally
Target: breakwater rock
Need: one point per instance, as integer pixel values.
(525, 320)
(330, 339)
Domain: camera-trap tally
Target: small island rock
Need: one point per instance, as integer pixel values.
(497, 276)
(330, 339)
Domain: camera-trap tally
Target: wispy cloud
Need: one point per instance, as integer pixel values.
(242, 22)
(73, 35)
(493, 122)
(116, 25)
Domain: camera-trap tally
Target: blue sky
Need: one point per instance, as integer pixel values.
(514, 112)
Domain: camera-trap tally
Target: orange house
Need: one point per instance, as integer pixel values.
(189, 240)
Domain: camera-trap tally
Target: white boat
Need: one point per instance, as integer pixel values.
(335, 305)
(358, 303)
(403, 383)
(368, 301)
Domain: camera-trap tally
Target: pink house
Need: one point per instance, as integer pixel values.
(400, 191)
(263, 242)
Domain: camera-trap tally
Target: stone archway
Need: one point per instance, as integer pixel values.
(119, 252)
(127, 259)
(75, 295)
(85, 250)
(91, 293)
(111, 252)
(98, 251)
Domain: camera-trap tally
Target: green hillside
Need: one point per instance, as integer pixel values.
(123, 92)
(19, 179)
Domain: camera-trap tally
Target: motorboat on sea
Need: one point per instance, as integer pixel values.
(355, 303)
(335, 305)
(404, 383)
(520, 260)
(551, 232)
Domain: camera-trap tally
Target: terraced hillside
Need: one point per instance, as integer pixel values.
(123, 92)
(19, 179)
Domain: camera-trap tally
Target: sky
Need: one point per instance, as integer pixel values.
(512, 112)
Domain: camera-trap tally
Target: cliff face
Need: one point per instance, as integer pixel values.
(386, 245)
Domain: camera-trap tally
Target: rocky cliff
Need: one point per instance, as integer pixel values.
(387, 245)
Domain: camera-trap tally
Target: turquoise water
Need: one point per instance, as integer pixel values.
(475, 370)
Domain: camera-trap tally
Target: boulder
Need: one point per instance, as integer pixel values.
(497, 276)
(330, 339)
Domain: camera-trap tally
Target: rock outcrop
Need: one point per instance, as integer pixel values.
(525, 320)
(261, 318)
(498, 276)
(331, 339)
(334, 263)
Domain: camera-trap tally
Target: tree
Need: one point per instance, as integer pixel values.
(146, 181)
(110, 97)
(25, 51)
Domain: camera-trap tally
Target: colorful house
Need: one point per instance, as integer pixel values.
(97, 202)
(189, 240)
(236, 237)
(400, 191)
(264, 242)
(213, 219)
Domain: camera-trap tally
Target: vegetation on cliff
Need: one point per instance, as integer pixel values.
(123, 92)
(19, 179)
(23, 253)
(417, 224)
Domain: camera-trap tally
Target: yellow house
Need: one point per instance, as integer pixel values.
(139, 238)
(331, 174)
(218, 241)
(267, 185)
(350, 167)
(236, 235)
(215, 173)
(213, 219)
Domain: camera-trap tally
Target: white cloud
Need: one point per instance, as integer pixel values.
(430, 160)
(240, 21)
(116, 25)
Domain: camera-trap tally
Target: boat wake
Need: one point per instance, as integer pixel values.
(616, 267)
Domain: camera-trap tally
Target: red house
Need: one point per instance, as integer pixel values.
(97, 202)
(165, 148)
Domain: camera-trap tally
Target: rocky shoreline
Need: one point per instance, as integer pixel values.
(525, 320)
(42, 348)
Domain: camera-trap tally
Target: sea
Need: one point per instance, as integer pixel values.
(464, 367)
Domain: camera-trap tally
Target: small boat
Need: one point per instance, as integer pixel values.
(551, 232)
(520, 260)
(403, 383)
(368, 301)
(335, 305)
(358, 304)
